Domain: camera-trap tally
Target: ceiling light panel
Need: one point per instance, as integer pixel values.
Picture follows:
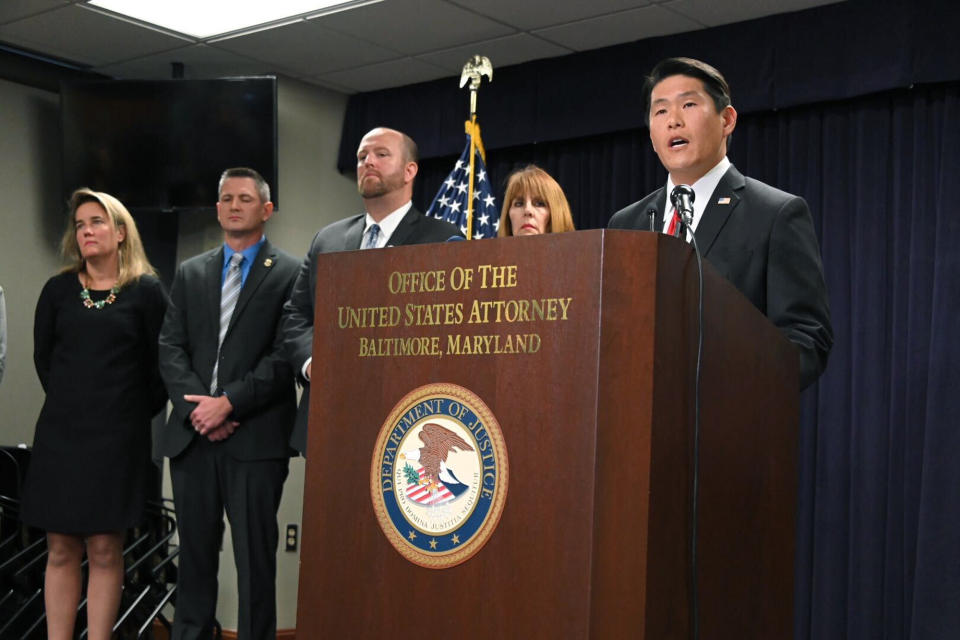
(215, 17)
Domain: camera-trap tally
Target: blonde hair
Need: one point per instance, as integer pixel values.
(534, 181)
(132, 260)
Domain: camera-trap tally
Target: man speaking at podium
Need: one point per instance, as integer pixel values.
(759, 238)
(386, 168)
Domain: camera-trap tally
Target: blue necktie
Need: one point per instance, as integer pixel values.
(370, 237)
(228, 302)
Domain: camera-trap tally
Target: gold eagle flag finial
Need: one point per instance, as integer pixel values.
(475, 68)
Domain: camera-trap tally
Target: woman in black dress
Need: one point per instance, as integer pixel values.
(95, 350)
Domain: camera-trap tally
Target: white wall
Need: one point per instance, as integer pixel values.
(31, 223)
(312, 194)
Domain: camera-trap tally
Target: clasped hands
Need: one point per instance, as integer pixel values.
(210, 418)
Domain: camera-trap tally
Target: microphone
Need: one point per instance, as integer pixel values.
(682, 198)
(652, 218)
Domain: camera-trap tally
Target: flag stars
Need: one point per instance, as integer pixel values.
(453, 201)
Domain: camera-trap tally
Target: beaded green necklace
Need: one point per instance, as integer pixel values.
(99, 304)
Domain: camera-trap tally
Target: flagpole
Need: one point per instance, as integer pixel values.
(473, 70)
(473, 151)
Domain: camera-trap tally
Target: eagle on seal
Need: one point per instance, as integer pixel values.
(438, 443)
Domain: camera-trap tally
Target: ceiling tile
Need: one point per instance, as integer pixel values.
(86, 37)
(327, 84)
(199, 61)
(502, 52)
(616, 28)
(394, 73)
(414, 26)
(15, 9)
(536, 14)
(372, 47)
(713, 13)
(306, 49)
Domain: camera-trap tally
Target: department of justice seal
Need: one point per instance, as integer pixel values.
(439, 475)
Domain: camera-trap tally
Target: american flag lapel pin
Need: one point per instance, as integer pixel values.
(723, 201)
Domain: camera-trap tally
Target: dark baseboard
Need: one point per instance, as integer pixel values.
(160, 633)
(282, 634)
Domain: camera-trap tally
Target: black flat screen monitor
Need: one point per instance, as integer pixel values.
(161, 145)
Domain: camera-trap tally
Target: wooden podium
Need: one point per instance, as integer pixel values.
(593, 541)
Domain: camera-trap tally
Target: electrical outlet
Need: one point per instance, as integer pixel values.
(291, 544)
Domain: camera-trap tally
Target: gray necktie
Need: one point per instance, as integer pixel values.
(228, 301)
(370, 237)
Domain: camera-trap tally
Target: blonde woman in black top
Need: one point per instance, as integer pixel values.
(95, 351)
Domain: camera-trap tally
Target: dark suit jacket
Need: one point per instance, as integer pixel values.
(253, 372)
(343, 235)
(764, 243)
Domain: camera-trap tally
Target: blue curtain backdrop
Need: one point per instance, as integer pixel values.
(878, 544)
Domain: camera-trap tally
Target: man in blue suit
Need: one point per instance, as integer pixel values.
(759, 238)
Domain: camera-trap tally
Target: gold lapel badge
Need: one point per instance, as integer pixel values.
(268, 263)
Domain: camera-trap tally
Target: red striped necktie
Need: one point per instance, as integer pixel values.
(674, 228)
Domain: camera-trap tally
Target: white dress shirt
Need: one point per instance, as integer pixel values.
(703, 190)
(388, 225)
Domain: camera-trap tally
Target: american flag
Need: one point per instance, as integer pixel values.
(450, 203)
(423, 494)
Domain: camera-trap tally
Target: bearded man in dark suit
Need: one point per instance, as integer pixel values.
(386, 169)
(234, 403)
(759, 238)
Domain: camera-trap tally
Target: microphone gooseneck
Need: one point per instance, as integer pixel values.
(652, 218)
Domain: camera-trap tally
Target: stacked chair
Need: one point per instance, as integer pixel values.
(150, 573)
(23, 555)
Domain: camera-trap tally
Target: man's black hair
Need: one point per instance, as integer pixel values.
(713, 81)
